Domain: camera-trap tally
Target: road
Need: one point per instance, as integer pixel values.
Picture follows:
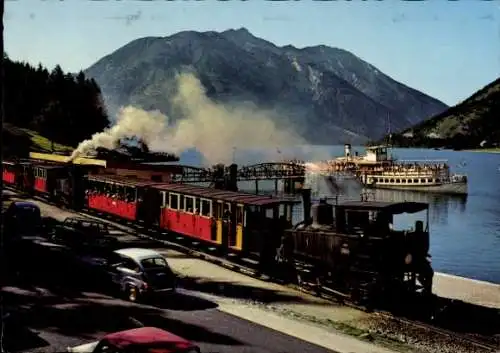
(62, 321)
(52, 308)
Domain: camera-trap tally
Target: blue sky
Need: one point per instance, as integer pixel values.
(446, 49)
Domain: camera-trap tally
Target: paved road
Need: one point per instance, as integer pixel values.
(63, 322)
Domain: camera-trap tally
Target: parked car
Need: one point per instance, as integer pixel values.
(21, 218)
(134, 272)
(139, 340)
(79, 233)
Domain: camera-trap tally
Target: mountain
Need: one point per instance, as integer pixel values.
(328, 94)
(473, 123)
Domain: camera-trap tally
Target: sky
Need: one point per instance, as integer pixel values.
(446, 49)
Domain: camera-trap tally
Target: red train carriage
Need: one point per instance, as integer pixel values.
(239, 221)
(46, 176)
(9, 172)
(118, 196)
(25, 177)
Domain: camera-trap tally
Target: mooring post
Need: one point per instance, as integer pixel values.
(256, 186)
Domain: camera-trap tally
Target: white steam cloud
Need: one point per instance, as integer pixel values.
(212, 128)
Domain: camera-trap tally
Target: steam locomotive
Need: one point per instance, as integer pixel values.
(351, 247)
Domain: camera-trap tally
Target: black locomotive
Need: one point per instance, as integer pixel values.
(354, 248)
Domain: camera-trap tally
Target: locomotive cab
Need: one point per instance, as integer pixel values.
(363, 251)
(402, 233)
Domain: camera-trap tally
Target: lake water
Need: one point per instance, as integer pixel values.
(465, 231)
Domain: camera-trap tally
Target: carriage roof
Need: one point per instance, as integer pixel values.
(223, 195)
(121, 180)
(391, 207)
(193, 190)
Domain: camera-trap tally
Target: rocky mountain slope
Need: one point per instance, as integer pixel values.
(473, 123)
(327, 94)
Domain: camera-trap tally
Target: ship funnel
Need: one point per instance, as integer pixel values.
(347, 150)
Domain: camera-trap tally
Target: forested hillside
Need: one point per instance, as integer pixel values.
(64, 108)
(472, 123)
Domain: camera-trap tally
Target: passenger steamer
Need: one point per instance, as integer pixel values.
(377, 169)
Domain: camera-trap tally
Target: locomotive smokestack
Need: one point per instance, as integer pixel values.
(306, 204)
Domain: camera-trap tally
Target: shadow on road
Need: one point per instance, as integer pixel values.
(239, 291)
(17, 337)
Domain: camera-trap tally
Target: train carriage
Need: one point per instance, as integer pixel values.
(123, 197)
(9, 172)
(235, 221)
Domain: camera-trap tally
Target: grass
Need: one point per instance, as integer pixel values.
(44, 143)
(18, 137)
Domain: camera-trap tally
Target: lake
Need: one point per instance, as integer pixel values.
(465, 231)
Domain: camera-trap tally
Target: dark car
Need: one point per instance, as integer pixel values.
(83, 233)
(134, 272)
(22, 219)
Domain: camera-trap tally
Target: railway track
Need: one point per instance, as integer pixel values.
(238, 264)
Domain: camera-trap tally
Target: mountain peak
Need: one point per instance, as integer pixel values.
(241, 30)
(324, 92)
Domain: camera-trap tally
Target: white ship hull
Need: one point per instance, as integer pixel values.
(453, 188)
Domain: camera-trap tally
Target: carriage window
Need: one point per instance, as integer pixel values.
(189, 204)
(181, 202)
(282, 210)
(163, 198)
(358, 218)
(218, 210)
(239, 214)
(174, 201)
(269, 213)
(197, 205)
(206, 206)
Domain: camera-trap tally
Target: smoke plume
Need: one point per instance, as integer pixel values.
(214, 129)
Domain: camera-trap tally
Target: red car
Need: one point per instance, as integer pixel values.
(139, 340)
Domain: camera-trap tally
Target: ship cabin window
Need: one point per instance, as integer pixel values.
(392, 180)
(410, 181)
(375, 180)
(174, 201)
(404, 181)
(189, 204)
(398, 181)
(438, 180)
(422, 180)
(429, 180)
(206, 208)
